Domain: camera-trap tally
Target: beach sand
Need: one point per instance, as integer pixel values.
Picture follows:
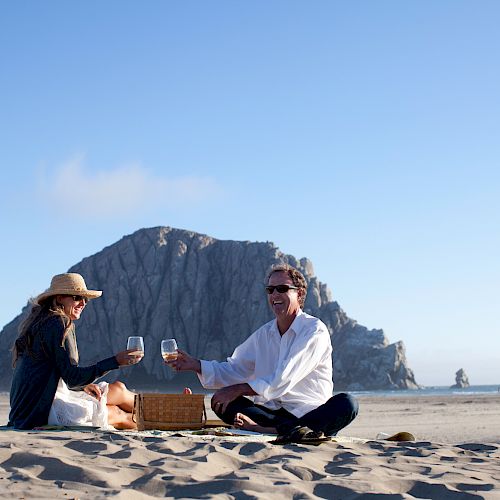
(456, 455)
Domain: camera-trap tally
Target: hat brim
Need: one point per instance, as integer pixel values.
(89, 294)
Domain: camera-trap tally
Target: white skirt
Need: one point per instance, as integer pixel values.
(79, 408)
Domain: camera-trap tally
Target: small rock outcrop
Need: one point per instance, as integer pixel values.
(209, 295)
(461, 380)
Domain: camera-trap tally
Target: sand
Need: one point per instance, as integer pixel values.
(456, 455)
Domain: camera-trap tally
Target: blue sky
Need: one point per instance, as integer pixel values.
(362, 135)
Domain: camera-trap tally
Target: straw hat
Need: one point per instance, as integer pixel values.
(68, 284)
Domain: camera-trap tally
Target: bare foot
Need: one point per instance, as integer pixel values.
(243, 422)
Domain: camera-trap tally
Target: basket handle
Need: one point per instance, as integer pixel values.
(138, 412)
(134, 412)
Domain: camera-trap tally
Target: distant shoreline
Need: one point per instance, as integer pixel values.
(424, 391)
(433, 390)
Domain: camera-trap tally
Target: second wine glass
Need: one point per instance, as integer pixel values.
(169, 350)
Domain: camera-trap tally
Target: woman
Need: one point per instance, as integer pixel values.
(45, 357)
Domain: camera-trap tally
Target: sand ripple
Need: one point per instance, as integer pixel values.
(99, 465)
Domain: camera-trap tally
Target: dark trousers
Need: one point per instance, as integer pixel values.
(338, 412)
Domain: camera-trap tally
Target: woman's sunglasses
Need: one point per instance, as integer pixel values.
(79, 298)
(280, 288)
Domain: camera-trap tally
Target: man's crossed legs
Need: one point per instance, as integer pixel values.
(338, 412)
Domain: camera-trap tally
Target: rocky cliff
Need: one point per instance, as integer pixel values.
(208, 294)
(461, 380)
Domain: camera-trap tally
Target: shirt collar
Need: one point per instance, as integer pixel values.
(294, 326)
(296, 322)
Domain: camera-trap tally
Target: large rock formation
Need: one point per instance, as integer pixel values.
(461, 380)
(208, 294)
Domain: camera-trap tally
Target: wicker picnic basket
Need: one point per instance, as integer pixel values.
(169, 411)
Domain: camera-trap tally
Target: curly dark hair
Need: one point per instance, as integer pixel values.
(297, 279)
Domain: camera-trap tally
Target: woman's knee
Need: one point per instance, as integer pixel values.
(118, 386)
(119, 389)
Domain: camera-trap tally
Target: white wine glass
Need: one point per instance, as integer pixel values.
(136, 343)
(169, 350)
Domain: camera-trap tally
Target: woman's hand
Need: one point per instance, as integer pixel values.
(129, 357)
(93, 390)
(185, 362)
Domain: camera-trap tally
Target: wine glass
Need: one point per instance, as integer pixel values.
(169, 350)
(136, 343)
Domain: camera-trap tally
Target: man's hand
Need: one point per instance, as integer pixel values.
(224, 396)
(129, 357)
(185, 362)
(93, 390)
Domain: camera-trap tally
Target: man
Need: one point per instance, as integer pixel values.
(285, 367)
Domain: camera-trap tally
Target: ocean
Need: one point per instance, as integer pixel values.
(433, 391)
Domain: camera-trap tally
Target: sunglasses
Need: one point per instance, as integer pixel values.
(280, 288)
(79, 298)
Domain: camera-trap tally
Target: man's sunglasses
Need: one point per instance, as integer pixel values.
(280, 288)
(79, 298)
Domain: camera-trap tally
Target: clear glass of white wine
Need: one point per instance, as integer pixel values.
(136, 343)
(169, 349)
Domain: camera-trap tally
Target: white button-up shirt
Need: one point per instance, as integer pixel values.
(293, 371)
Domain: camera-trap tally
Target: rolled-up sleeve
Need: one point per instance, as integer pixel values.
(237, 369)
